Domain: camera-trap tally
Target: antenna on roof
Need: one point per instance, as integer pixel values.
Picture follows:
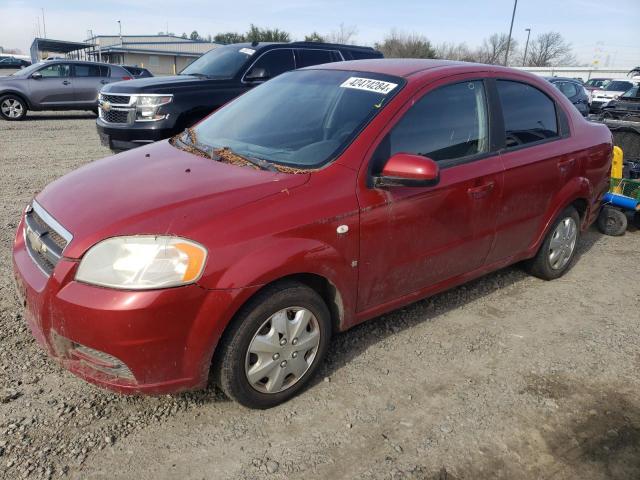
(254, 43)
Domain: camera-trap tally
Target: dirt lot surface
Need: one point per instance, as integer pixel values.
(507, 377)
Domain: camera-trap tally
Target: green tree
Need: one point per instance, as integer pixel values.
(314, 37)
(229, 37)
(257, 34)
(400, 45)
(195, 35)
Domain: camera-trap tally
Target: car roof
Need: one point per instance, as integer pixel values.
(562, 79)
(71, 60)
(405, 67)
(261, 45)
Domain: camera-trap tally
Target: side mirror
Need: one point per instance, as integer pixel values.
(406, 170)
(257, 73)
(36, 76)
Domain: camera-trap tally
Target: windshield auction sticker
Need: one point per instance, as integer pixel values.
(369, 84)
(247, 51)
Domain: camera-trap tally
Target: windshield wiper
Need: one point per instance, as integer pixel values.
(223, 152)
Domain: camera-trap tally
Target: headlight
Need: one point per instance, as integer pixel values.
(147, 106)
(142, 262)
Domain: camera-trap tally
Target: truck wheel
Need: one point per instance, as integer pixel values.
(274, 346)
(12, 107)
(612, 221)
(558, 248)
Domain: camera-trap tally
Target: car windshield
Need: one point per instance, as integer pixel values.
(618, 86)
(27, 70)
(632, 93)
(222, 62)
(300, 119)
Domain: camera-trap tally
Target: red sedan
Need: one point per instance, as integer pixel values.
(318, 200)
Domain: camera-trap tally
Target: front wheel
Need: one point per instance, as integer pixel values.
(12, 107)
(558, 248)
(274, 346)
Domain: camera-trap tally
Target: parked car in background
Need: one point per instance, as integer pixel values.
(147, 110)
(595, 83)
(608, 91)
(625, 107)
(574, 91)
(13, 63)
(318, 200)
(137, 72)
(56, 85)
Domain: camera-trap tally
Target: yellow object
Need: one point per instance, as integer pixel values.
(616, 168)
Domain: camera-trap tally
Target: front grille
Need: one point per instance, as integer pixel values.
(115, 116)
(44, 238)
(115, 99)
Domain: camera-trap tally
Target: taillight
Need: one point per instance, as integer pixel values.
(127, 78)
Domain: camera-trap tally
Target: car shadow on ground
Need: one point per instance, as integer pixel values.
(343, 349)
(53, 116)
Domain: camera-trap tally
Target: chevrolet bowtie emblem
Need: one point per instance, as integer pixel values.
(106, 106)
(36, 242)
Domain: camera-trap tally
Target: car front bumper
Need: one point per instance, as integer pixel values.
(127, 136)
(155, 341)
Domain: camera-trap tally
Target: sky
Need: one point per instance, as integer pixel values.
(606, 31)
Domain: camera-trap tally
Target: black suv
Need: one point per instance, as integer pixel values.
(142, 111)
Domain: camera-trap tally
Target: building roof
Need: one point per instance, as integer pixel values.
(194, 49)
(58, 46)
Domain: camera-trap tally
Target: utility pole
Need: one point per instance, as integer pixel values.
(44, 25)
(513, 16)
(526, 45)
(120, 31)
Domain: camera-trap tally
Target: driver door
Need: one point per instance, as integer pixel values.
(54, 88)
(416, 239)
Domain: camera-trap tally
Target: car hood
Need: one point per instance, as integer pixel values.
(157, 189)
(158, 84)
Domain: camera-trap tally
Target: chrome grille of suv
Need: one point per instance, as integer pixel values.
(115, 116)
(115, 99)
(45, 239)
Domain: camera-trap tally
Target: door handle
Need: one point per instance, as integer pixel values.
(66, 82)
(481, 191)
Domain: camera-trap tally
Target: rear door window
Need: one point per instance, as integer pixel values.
(86, 70)
(448, 123)
(309, 57)
(529, 114)
(568, 89)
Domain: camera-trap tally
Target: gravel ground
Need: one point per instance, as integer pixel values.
(506, 377)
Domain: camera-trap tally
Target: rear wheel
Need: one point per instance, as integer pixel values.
(558, 248)
(274, 346)
(12, 107)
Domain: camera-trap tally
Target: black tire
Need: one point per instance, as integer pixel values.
(540, 266)
(612, 221)
(232, 354)
(12, 108)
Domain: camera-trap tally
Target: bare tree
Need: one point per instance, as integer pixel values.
(401, 45)
(493, 49)
(345, 34)
(451, 51)
(549, 49)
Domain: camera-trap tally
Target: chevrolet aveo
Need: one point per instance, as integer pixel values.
(318, 200)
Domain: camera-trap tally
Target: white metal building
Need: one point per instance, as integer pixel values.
(161, 54)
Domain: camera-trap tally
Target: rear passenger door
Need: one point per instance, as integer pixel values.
(307, 57)
(537, 162)
(88, 79)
